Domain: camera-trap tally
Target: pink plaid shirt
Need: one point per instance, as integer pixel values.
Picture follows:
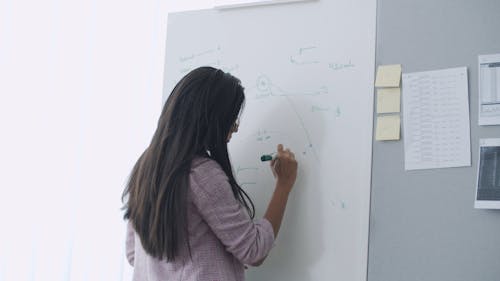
(222, 236)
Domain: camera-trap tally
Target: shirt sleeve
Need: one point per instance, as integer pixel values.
(130, 244)
(249, 241)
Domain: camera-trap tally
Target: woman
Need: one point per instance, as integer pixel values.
(188, 218)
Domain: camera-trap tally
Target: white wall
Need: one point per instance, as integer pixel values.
(80, 88)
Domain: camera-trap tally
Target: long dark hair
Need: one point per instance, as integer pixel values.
(195, 121)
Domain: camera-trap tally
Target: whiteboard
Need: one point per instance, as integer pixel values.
(308, 72)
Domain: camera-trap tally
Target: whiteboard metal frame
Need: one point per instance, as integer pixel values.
(230, 4)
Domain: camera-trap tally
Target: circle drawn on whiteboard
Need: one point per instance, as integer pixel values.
(264, 83)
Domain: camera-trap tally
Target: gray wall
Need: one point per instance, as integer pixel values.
(422, 224)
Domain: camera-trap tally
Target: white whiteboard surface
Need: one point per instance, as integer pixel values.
(308, 72)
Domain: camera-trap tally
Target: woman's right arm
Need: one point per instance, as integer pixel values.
(284, 167)
(249, 241)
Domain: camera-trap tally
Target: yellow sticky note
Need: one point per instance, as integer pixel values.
(388, 100)
(388, 75)
(388, 127)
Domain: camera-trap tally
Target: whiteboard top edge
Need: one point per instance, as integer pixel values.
(220, 5)
(205, 9)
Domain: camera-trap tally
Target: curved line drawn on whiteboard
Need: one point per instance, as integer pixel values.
(267, 88)
(302, 124)
(301, 58)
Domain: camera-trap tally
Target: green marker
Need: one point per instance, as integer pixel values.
(266, 157)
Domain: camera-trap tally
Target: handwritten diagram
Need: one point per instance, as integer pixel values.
(263, 88)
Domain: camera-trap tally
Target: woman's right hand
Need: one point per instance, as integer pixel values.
(284, 168)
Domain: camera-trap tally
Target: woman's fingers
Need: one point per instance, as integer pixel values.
(284, 167)
(280, 148)
(289, 153)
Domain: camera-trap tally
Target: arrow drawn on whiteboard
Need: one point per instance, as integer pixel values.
(301, 58)
(267, 88)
